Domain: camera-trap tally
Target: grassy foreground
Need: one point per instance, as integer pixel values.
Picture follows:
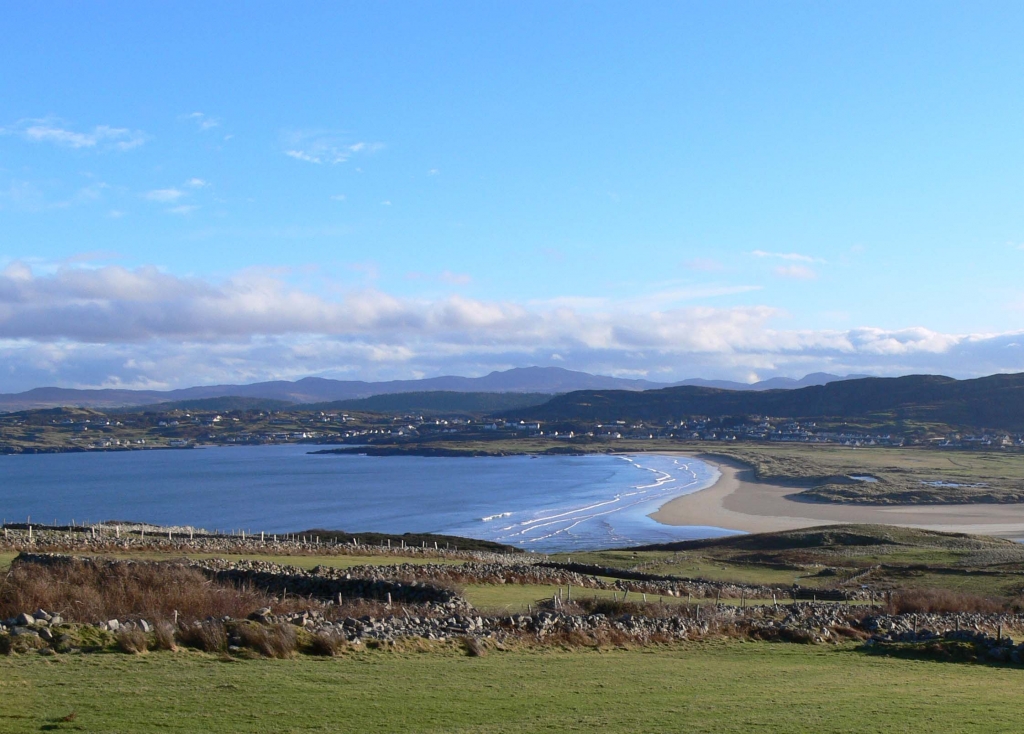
(713, 687)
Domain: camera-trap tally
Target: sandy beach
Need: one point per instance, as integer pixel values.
(738, 501)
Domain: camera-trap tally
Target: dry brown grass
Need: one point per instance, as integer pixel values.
(163, 637)
(474, 648)
(600, 638)
(132, 640)
(87, 591)
(272, 641)
(910, 601)
(205, 636)
(325, 644)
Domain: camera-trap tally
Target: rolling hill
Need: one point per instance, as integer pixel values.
(439, 402)
(996, 402)
(547, 380)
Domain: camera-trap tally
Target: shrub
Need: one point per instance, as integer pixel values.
(909, 601)
(88, 590)
(163, 637)
(132, 640)
(796, 634)
(272, 641)
(5, 644)
(325, 644)
(205, 636)
(474, 647)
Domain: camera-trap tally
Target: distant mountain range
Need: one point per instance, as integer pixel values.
(547, 380)
(996, 402)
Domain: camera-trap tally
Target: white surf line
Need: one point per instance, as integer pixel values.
(547, 520)
(561, 518)
(525, 528)
(495, 517)
(572, 511)
(664, 477)
(580, 520)
(557, 532)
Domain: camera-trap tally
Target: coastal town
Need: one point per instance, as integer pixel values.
(79, 429)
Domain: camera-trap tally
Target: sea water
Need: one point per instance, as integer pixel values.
(544, 503)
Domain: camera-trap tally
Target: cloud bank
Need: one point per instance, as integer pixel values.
(93, 326)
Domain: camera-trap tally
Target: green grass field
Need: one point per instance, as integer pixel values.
(708, 687)
(901, 472)
(882, 556)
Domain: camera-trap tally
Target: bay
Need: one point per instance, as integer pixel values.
(545, 503)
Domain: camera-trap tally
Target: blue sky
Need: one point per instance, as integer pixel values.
(217, 192)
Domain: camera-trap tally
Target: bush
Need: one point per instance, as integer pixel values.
(325, 644)
(132, 640)
(5, 644)
(910, 601)
(273, 641)
(205, 636)
(474, 647)
(87, 591)
(163, 637)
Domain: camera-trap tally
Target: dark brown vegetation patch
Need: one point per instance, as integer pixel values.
(90, 591)
(909, 601)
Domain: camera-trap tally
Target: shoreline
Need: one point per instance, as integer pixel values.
(738, 501)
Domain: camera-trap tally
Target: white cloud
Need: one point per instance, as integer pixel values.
(183, 209)
(197, 183)
(793, 256)
(338, 197)
(797, 272)
(52, 130)
(300, 155)
(325, 147)
(204, 121)
(165, 195)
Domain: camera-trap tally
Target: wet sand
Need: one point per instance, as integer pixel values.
(738, 501)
